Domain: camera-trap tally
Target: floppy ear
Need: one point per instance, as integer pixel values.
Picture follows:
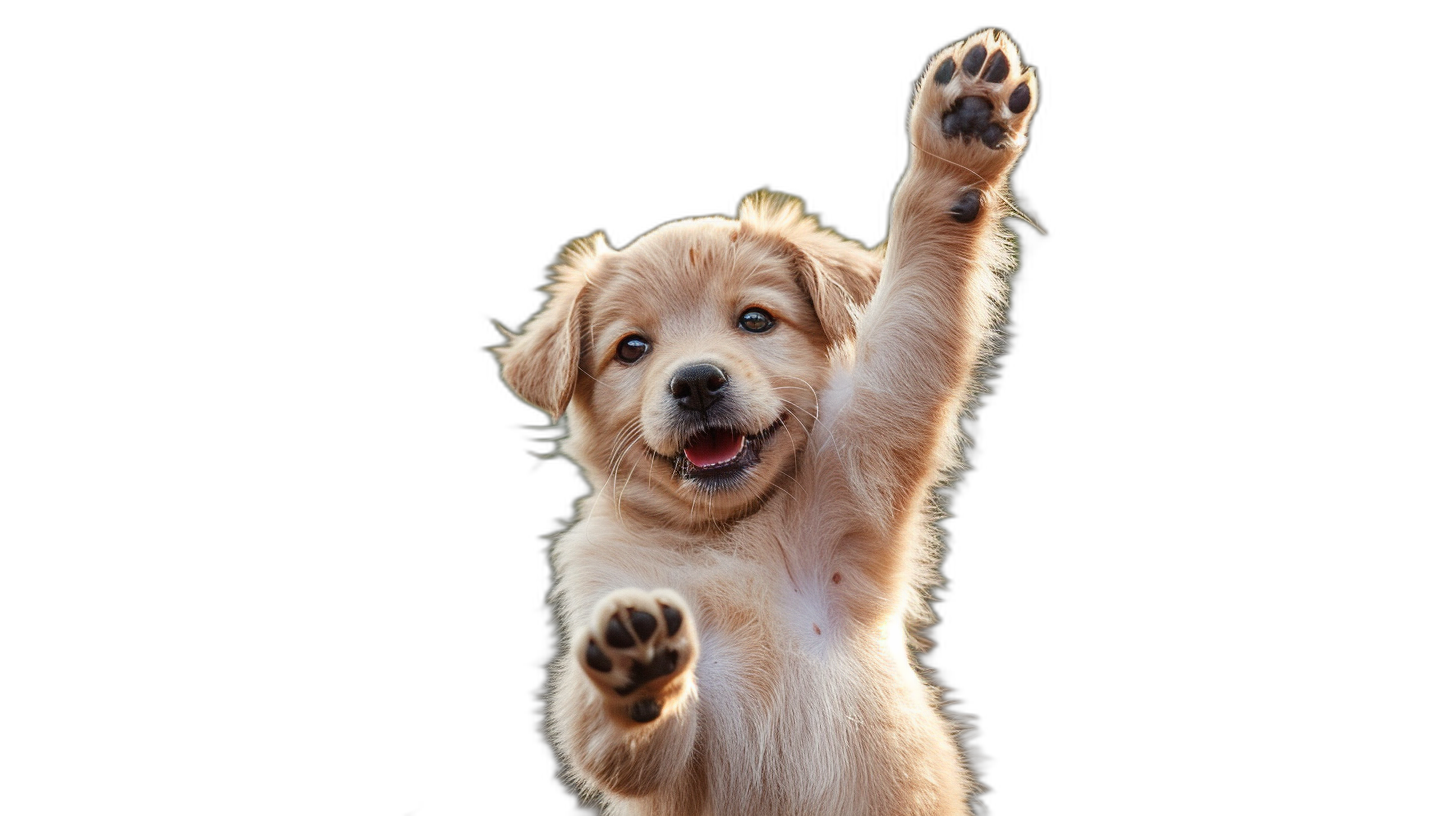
(540, 363)
(838, 274)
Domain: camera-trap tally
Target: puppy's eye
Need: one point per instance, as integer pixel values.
(756, 321)
(633, 348)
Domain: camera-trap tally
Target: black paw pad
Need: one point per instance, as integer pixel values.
(998, 69)
(644, 711)
(673, 618)
(945, 71)
(966, 210)
(617, 634)
(975, 58)
(640, 674)
(643, 623)
(664, 663)
(971, 118)
(1020, 98)
(596, 658)
(993, 135)
(966, 118)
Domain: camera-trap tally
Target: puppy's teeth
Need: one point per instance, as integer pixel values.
(713, 448)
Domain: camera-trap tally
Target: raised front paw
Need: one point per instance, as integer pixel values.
(973, 106)
(639, 650)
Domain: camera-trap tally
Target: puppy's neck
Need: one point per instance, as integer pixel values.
(700, 520)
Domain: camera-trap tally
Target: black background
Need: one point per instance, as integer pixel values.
(437, 166)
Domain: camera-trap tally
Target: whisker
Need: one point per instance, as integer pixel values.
(828, 432)
(793, 495)
(625, 485)
(628, 440)
(795, 404)
(693, 508)
(623, 440)
(629, 435)
(588, 374)
(806, 383)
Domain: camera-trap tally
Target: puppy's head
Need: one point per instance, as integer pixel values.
(689, 363)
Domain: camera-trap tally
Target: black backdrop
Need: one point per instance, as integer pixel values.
(440, 166)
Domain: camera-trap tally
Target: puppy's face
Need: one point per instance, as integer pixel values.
(700, 351)
(701, 370)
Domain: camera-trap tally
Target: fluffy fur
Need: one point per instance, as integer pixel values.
(742, 638)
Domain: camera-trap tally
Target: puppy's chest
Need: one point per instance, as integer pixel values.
(764, 597)
(773, 640)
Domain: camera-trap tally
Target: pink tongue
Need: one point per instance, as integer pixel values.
(713, 448)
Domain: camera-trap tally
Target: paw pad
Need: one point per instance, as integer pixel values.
(998, 69)
(642, 660)
(969, 122)
(645, 710)
(945, 71)
(1020, 98)
(967, 208)
(975, 58)
(974, 117)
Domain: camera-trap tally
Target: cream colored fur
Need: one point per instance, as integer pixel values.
(795, 687)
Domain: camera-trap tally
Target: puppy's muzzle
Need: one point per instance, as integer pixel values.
(697, 387)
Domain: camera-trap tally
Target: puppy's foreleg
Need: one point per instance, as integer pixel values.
(625, 703)
(942, 293)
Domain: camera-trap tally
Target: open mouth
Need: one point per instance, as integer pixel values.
(714, 448)
(718, 456)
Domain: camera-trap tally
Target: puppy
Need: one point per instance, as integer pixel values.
(763, 409)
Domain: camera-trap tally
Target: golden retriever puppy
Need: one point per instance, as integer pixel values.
(762, 409)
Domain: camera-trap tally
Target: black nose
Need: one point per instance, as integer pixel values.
(696, 387)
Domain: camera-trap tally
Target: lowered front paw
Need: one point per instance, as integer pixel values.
(639, 651)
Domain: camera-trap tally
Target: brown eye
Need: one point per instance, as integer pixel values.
(755, 320)
(632, 348)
